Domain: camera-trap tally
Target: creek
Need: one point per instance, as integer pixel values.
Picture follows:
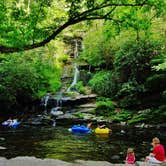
(58, 143)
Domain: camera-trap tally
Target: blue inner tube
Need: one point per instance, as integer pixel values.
(14, 125)
(80, 129)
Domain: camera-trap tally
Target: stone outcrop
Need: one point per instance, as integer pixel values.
(70, 101)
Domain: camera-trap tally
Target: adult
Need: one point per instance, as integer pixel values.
(158, 154)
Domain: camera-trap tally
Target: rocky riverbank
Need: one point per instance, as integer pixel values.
(32, 161)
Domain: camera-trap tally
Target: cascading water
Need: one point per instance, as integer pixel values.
(76, 70)
(59, 99)
(44, 101)
(56, 110)
(89, 70)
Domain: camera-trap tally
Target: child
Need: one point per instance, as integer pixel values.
(130, 158)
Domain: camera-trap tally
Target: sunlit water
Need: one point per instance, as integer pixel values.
(59, 143)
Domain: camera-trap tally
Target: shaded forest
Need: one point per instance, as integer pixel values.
(122, 41)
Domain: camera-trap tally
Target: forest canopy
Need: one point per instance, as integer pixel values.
(27, 24)
(121, 48)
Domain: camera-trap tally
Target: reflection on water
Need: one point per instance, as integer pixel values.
(59, 143)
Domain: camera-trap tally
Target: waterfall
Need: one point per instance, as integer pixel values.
(54, 123)
(56, 111)
(76, 70)
(44, 101)
(59, 99)
(89, 70)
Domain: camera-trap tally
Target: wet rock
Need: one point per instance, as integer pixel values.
(67, 116)
(68, 101)
(93, 163)
(164, 163)
(88, 105)
(1, 147)
(115, 157)
(2, 139)
(40, 120)
(56, 111)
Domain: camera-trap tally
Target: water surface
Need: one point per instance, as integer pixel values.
(59, 143)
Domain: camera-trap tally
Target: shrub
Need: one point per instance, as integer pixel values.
(80, 87)
(105, 108)
(124, 115)
(25, 78)
(148, 115)
(79, 115)
(102, 84)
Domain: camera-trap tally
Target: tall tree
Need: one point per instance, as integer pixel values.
(29, 24)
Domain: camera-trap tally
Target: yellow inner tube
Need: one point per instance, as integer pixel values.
(102, 131)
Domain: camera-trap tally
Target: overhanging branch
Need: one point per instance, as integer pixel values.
(86, 15)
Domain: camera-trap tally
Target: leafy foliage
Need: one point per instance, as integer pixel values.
(123, 115)
(95, 44)
(28, 25)
(105, 107)
(134, 59)
(126, 50)
(101, 83)
(80, 87)
(158, 62)
(24, 78)
(79, 115)
(148, 115)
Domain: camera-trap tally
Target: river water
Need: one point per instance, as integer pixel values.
(58, 143)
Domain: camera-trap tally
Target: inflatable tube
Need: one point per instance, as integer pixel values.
(14, 125)
(102, 130)
(11, 124)
(80, 129)
(5, 123)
